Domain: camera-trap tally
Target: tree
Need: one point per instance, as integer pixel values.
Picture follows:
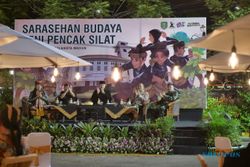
(225, 11)
(57, 9)
(149, 8)
(96, 9)
(11, 10)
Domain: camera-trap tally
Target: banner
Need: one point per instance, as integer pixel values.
(106, 43)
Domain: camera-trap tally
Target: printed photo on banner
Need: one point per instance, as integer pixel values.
(151, 52)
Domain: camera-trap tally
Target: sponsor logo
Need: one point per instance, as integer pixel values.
(180, 24)
(164, 25)
(193, 24)
(171, 25)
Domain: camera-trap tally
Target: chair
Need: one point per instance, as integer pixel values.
(20, 161)
(222, 145)
(40, 143)
(202, 160)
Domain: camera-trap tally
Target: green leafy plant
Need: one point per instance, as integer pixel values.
(69, 130)
(165, 124)
(244, 105)
(88, 129)
(219, 124)
(56, 129)
(124, 132)
(153, 137)
(35, 125)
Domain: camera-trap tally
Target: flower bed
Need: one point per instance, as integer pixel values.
(103, 145)
(149, 138)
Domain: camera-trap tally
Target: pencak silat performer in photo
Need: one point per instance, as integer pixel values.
(154, 38)
(154, 78)
(180, 60)
(137, 62)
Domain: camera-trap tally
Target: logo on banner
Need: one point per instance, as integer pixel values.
(193, 24)
(171, 25)
(180, 24)
(164, 25)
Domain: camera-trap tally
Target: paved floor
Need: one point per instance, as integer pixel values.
(109, 160)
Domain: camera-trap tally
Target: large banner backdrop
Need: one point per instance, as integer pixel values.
(106, 43)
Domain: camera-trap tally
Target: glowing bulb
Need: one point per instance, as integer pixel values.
(176, 72)
(233, 60)
(116, 75)
(211, 77)
(206, 81)
(56, 72)
(11, 72)
(248, 81)
(78, 76)
(53, 79)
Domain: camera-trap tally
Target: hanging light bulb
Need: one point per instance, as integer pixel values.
(116, 75)
(56, 72)
(211, 76)
(206, 81)
(233, 60)
(53, 79)
(78, 76)
(248, 81)
(11, 72)
(176, 72)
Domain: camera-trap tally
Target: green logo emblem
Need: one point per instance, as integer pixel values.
(164, 25)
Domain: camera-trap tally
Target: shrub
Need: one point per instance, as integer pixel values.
(218, 124)
(35, 125)
(150, 138)
(244, 106)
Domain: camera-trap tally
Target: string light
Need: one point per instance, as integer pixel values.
(11, 72)
(176, 72)
(78, 76)
(206, 81)
(248, 81)
(56, 72)
(116, 75)
(53, 79)
(211, 77)
(233, 60)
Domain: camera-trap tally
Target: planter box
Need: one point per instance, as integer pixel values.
(193, 114)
